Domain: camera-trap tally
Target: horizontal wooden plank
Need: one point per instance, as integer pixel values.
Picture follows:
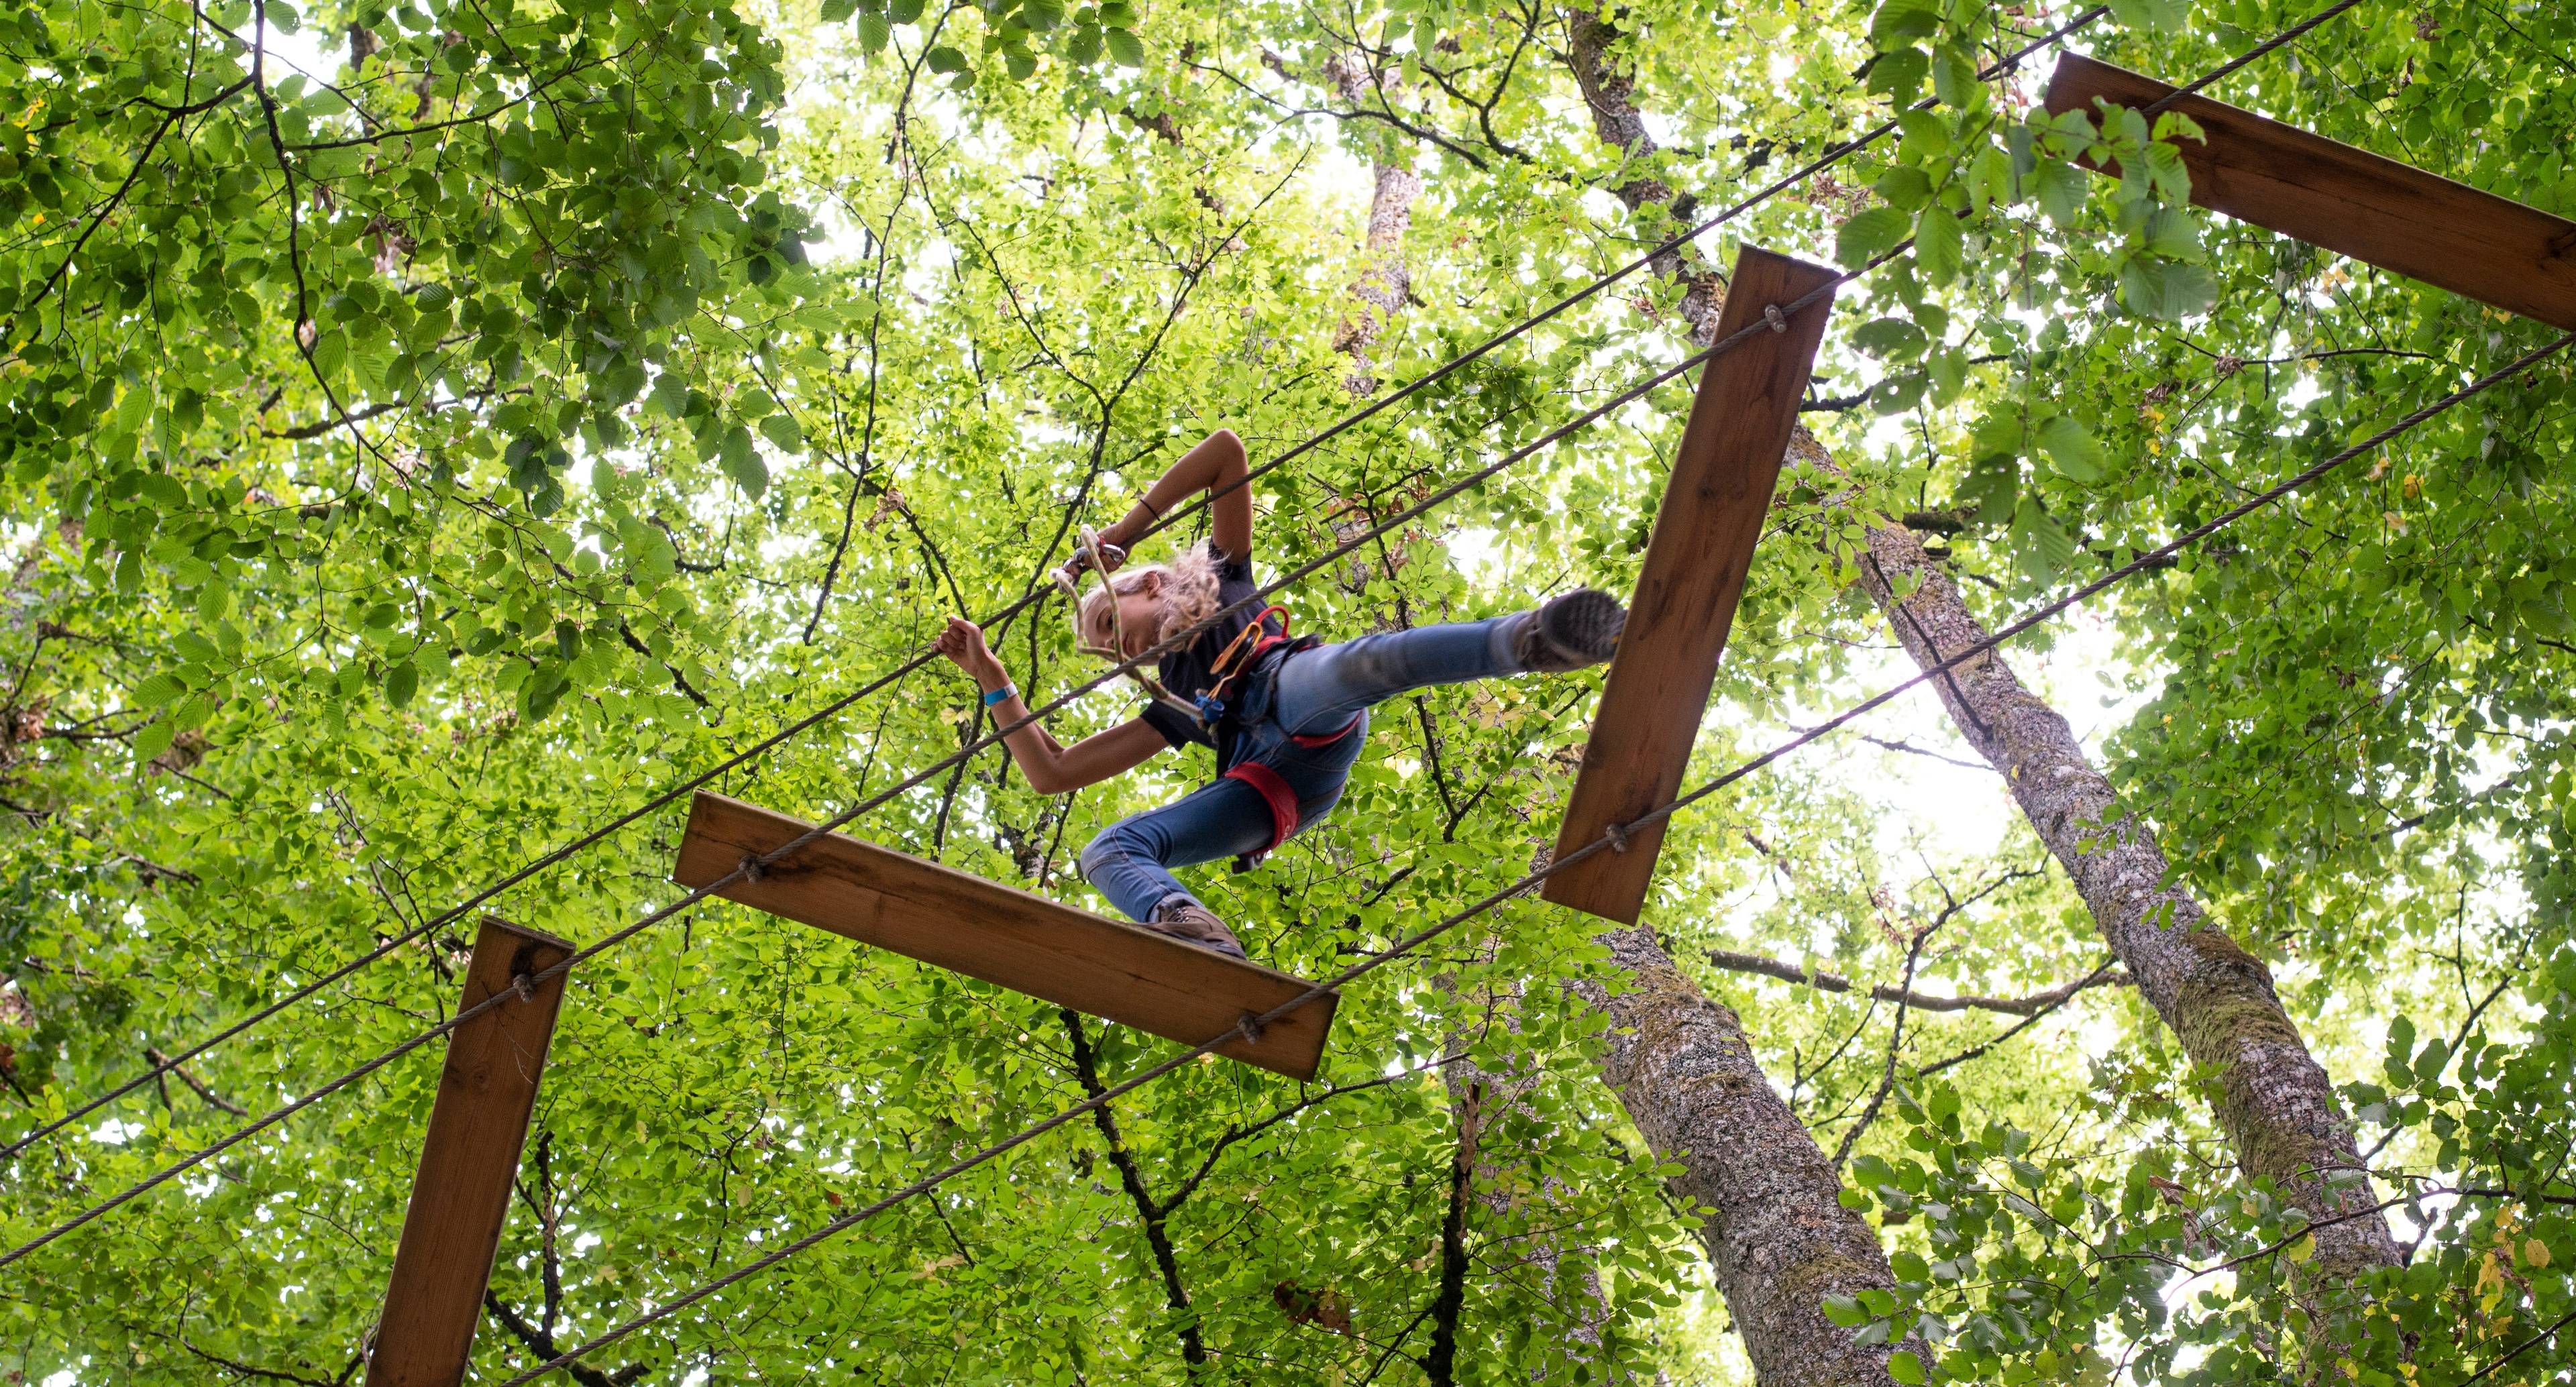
(461, 1195)
(1024, 942)
(1696, 562)
(2350, 201)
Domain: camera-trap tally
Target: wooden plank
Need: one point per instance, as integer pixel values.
(1024, 942)
(461, 1195)
(2393, 215)
(1711, 517)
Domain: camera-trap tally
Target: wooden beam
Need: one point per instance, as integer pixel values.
(1711, 517)
(461, 1196)
(1024, 942)
(2393, 215)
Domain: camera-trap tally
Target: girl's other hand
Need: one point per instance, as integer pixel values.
(963, 643)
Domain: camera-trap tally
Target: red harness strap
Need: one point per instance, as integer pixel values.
(1275, 792)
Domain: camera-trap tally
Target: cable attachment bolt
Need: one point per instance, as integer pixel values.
(1618, 836)
(751, 869)
(1771, 314)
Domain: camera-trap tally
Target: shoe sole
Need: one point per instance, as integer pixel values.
(1585, 623)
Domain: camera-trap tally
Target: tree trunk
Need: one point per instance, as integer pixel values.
(1384, 283)
(1608, 91)
(2273, 1100)
(1780, 1239)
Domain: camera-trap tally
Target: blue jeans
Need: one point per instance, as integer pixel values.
(1311, 694)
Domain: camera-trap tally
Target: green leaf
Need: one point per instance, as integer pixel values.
(2173, 232)
(1926, 136)
(1126, 47)
(2072, 450)
(873, 32)
(1042, 14)
(1083, 48)
(154, 739)
(1899, 73)
(1844, 1311)
(2041, 547)
(1868, 235)
(783, 430)
(1939, 245)
(401, 682)
(2060, 188)
(1905, 1367)
(157, 690)
(743, 464)
(944, 59)
(2170, 290)
(834, 11)
(1905, 187)
(1889, 339)
(1900, 20)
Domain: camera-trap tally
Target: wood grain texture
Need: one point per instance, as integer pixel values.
(2352, 202)
(461, 1195)
(1027, 943)
(1705, 531)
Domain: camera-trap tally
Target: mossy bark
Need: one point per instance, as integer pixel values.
(2274, 1102)
(1779, 1237)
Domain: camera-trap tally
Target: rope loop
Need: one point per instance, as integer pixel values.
(1771, 314)
(525, 986)
(751, 868)
(1618, 836)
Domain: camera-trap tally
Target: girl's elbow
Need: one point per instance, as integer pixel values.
(1229, 447)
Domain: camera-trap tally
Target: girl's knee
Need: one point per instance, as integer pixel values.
(1110, 842)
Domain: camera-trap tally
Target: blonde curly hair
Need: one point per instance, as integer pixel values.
(1189, 597)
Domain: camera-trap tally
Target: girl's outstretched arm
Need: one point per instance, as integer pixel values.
(1052, 768)
(1216, 464)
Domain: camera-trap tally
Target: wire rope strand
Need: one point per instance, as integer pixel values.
(1831, 156)
(1607, 840)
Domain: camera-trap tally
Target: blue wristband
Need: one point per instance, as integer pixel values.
(1000, 696)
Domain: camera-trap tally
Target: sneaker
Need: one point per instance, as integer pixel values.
(1192, 923)
(1569, 631)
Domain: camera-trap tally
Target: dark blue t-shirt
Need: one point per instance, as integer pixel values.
(1186, 671)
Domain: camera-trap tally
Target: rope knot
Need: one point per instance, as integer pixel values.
(1618, 836)
(1771, 314)
(1250, 1025)
(526, 987)
(751, 869)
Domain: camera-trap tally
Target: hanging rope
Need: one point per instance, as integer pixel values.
(1832, 155)
(1252, 1025)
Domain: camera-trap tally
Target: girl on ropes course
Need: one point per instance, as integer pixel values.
(1285, 716)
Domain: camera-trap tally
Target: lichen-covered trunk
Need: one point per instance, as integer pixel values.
(2274, 1102)
(1780, 1238)
(1609, 92)
(1384, 281)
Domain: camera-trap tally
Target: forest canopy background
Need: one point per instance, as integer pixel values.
(430, 428)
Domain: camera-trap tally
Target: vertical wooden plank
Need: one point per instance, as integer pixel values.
(461, 1196)
(1711, 517)
(2350, 201)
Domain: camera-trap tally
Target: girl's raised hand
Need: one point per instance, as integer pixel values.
(963, 643)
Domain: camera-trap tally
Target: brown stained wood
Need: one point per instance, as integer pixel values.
(2354, 203)
(1027, 943)
(1705, 531)
(461, 1196)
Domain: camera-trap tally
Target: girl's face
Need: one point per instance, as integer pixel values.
(1140, 619)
